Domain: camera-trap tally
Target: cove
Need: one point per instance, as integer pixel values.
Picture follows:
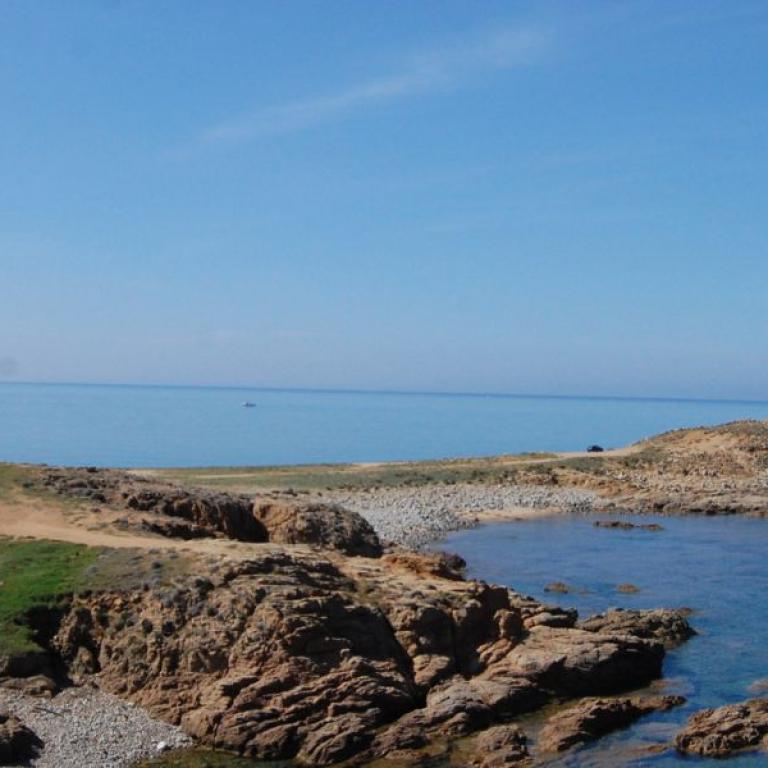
(714, 565)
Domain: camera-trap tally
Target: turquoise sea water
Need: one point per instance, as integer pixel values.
(206, 426)
(715, 566)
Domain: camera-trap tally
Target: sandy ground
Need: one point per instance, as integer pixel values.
(37, 521)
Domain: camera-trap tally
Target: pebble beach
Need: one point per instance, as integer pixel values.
(413, 517)
(85, 727)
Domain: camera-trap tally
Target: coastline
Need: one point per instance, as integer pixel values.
(172, 534)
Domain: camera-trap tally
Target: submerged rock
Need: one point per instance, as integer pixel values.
(592, 718)
(725, 730)
(625, 525)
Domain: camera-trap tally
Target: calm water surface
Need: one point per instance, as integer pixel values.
(196, 426)
(717, 566)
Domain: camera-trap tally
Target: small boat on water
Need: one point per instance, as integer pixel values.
(249, 404)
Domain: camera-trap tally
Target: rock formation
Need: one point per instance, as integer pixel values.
(592, 718)
(323, 658)
(667, 626)
(725, 730)
(174, 512)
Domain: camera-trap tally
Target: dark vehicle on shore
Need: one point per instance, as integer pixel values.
(595, 449)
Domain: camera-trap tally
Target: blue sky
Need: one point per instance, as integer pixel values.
(486, 196)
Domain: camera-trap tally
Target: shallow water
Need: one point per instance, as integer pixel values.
(717, 566)
(132, 426)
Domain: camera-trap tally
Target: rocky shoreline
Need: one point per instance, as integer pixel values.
(413, 517)
(312, 626)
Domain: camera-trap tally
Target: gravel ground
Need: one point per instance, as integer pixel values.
(415, 516)
(86, 728)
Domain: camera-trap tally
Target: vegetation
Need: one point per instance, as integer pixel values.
(35, 573)
(12, 478)
(353, 476)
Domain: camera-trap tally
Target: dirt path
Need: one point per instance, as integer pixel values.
(26, 519)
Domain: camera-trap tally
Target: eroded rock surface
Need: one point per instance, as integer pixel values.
(500, 747)
(670, 627)
(323, 659)
(725, 730)
(174, 512)
(325, 525)
(592, 718)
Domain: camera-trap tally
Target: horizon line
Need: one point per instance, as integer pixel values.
(396, 392)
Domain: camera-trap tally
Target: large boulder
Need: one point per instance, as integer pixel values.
(721, 732)
(324, 525)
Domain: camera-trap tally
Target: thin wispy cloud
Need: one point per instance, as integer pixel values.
(437, 70)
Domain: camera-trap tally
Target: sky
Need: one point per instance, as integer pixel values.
(526, 197)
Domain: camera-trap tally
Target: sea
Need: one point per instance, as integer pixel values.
(173, 426)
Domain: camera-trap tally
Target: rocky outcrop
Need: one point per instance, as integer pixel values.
(288, 656)
(174, 512)
(536, 614)
(443, 565)
(721, 732)
(324, 525)
(18, 744)
(669, 627)
(214, 512)
(502, 746)
(592, 718)
(573, 662)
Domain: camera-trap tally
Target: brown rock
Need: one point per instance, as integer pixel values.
(573, 662)
(35, 685)
(440, 564)
(592, 718)
(725, 730)
(625, 525)
(18, 744)
(324, 525)
(324, 658)
(667, 626)
(500, 747)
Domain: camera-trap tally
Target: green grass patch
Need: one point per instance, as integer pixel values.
(35, 573)
(349, 476)
(12, 478)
